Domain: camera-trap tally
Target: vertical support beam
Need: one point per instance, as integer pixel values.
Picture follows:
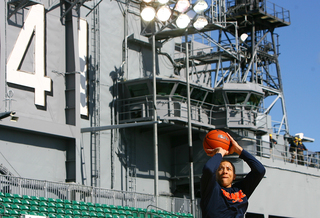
(189, 128)
(70, 66)
(283, 104)
(72, 90)
(253, 47)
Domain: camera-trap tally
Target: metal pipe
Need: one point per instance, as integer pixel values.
(127, 147)
(155, 118)
(253, 49)
(189, 128)
(119, 126)
(6, 114)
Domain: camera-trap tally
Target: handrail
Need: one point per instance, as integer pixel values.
(282, 152)
(159, 208)
(77, 192)
(265, 6)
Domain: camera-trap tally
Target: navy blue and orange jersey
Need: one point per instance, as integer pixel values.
(217, 201)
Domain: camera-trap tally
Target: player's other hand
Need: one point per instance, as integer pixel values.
(234, 146)
(212, 152)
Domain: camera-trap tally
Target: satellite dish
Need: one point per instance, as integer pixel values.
(304, 138)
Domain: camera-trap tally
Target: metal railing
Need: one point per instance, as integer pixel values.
(77, 192)
(285, 153)
(171, 107)
(266, 6)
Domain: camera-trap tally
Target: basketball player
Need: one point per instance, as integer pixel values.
(221, 198)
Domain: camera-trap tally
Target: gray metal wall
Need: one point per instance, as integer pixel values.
(40, 145)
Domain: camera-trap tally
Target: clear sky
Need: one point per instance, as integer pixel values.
(300, 68)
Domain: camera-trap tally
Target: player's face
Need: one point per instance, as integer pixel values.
(225, 174)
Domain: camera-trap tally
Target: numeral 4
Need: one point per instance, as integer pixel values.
(34, 25)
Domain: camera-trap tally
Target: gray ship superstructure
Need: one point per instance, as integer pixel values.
(112, 109)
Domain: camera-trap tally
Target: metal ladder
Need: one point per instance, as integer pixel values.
(95, 136)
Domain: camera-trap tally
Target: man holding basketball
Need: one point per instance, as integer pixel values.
(221, 198)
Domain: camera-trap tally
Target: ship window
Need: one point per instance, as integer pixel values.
(209, 98)
(181, 90)
(236, 97)
(254, 100)
(138, 90)
(218, 98)
(273, 216)
(164, 88)
(254, 215)
(198, 94)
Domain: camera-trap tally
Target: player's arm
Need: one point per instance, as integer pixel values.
(208, 178)
(253, 178)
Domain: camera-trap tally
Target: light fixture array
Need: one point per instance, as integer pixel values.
(164, 12)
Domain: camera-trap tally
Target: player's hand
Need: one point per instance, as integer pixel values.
(212, 152)
(234, 146)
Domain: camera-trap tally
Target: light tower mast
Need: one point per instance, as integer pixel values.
(257, 20)
(243, 62)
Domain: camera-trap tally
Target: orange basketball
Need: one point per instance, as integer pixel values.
(216, 138)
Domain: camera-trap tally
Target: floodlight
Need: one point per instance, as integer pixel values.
(200, 6)
(200, 23)
(164, 13)
(163, 1)
(14, 118)
(182, 6)
(243, 37)
(148, 13)
(147, 1)
(183, 21)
